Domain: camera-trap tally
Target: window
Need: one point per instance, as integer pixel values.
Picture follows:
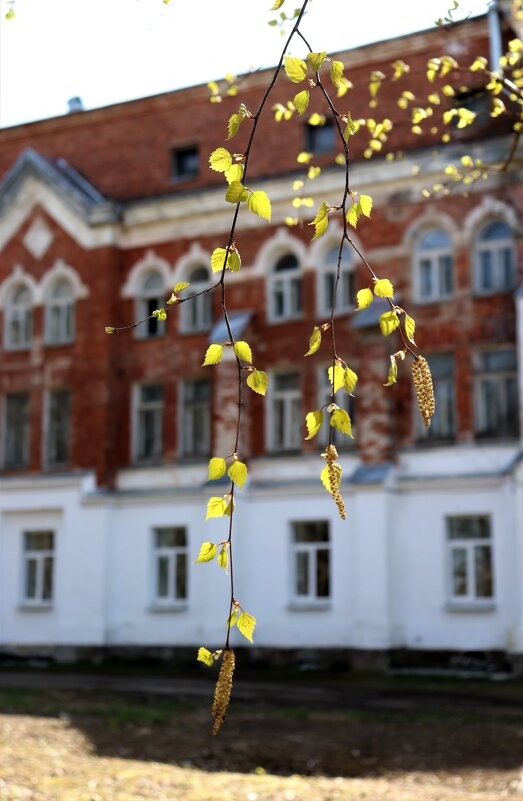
(327, 278)
(148, 429)
(443, 423)
(470, 558)
(185, 163)
(344, 401)
(58, 427)
(151, 298)
(494, 259)
(16, 430)
(59, 314)
(433, 265)
(285, 300)
(170, 565)
(196, 315)
(285, 412)
(18, 319)
(196, 418)
(496, 393)
(311, 561)
(320, 139)
(38, 567)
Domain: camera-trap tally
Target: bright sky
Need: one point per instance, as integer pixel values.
(107, 51)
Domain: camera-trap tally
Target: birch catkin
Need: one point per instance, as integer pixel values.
(334, 473)
(424, 389)
(222, 693)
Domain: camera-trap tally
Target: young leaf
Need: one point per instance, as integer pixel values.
(350, 379)
(316, 119)
(238, 473)
(213, 355)
(277, 4)
(314, 341)
(295, 69)
(258, 381)
(234, 261)
(336, 73)
(207, 552)
(389, 322)
(217, 507)
(223, 559)
(236, 192)
(353, 214)
(234, 173)
(313, 421)
(383, 288)
(217, 259)
(410, 328)
(205, 656)
(365, 203)
(180, 286)
(217, 468)
(321, 221)
(316, 60)
(233, 618)
(243, 351)
(235, 120)
(301, 101)
(340, 420)
(393, 372)
(220, 160)
(260, 204)
(337, 378)
(160, 314)
(246, 624)
(364, 298)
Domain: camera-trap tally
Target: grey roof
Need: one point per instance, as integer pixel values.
(239, 321)
(63, 180)
(370, 316)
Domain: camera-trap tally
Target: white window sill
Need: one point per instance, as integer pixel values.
(309, 606)
(470, 607)
(156, 608)
(35, 606)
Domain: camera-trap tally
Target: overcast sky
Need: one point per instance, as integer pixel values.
(106, 51)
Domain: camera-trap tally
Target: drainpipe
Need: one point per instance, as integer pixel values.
(496, 43)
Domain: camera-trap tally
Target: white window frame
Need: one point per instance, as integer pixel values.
(196, 314)
(140, 408)
(445, 399)
(344, 401)
(171, 553)
(495, 248)
(38, 556)
(189, 408)
(23, 437)
(499, 379)
(60, 310)
(48, 432)
(145, 301)
(434, 256)
(310, 550)
(289, 398)
(469, 545)
(329, 267)
(18, 316)
(289, 284)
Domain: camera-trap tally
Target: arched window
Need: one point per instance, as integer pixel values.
(18, 318)
(59, 313)
(433, 265)
(151, 297)
(327, 278)
(494, 259)
(285, 295)
(197, 313)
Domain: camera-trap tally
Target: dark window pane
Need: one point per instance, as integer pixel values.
(311, 532)
(39, 540)
(320, 138)
(322, 574)
(185, 162)
(460, 528)
(483, 568)
(162, 577)
(171, 537)
(47, 588)
(459, 571)
(302, 573)
(30, 578)
(181, 575)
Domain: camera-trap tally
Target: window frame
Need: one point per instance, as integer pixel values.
(311, 549)
(171, 553)
(313, 135)
(494, 247)
(178, 175)
(145, 300)
(288, 282)
(327, 268)
(140, 408)
(494, 377)
(434, 257)
(20, 314)
(201, 307)
(49, 423)
(431, 436)
(38, 556)
(469, 545)
(192, 406)
(64, 308)
(287, 397)
(25, 437)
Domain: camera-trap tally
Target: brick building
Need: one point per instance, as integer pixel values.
(105, 439)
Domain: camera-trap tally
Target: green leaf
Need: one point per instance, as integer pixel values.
(235, 120)
(365, 203)
(313, 421)
(321, 221)
(258, 381)
(316, 119)
(207, 552)
(260, 204)
(238, 473)
(410, 328)
(213, 355)
(353, 214)
(236, 192)
(234, 261)
(336, 73)
(180, 286)
(218, 259)
(217, 468)
(243, 351)
(337, 377)
(301, 101)
(295, 69)
(220, 160)
(223, 559)
(314, 341)
(393, 372)
(389, 322)
(350, 128)
(340, 420)
(277, 4)
(316, 60)
(217, 507)
(205, 656)
(160, 314)
(383, 288)
(246, 624)
(364, 298)
(350, 379)
(234, 173)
